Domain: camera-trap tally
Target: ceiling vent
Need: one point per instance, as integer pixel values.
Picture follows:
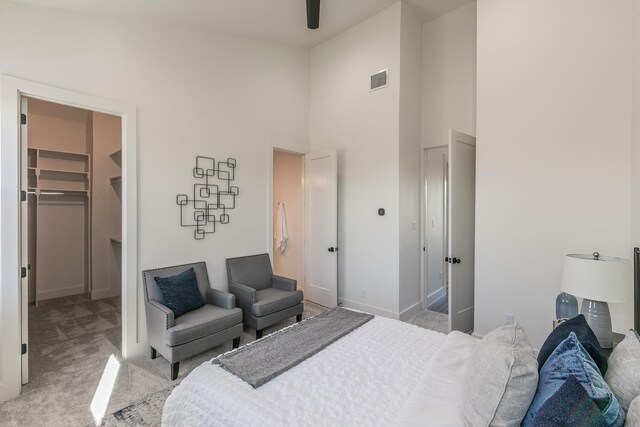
(379, 80)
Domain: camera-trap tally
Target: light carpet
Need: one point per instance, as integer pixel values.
(428, 319)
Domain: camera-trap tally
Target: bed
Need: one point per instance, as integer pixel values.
(384, 373)
(390, 373)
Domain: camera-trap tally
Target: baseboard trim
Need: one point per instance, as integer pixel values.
(368, 308)
(104, 293)
(59, 293)
(410, 311)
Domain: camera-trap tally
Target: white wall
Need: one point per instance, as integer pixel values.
(449, 75)
(364, 127)
(553, 169)
(409, 158)
(196, 93)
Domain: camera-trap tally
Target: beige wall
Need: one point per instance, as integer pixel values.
(59, 254)
(105, 256)
(288, 188)
(58, 127)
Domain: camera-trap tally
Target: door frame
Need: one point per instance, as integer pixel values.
(423, 219)
(11, 91)
(288, 148)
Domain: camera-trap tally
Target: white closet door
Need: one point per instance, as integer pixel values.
(462, 197)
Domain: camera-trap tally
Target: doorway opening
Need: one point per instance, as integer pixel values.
(288, 213)
(306, 185)
(436, 291)
(71, 233)
(449, 181)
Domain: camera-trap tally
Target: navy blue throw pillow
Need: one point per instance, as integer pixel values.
(570, 406)
(587, 338)
(180, 293)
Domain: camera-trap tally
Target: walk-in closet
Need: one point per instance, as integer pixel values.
(74, 225)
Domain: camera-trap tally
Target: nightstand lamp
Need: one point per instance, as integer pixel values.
(598, 280)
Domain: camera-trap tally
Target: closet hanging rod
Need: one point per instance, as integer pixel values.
(60, 193)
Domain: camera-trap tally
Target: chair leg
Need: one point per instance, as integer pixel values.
(153, 353)
(175, 367)
(299, 318)
(258, 334)
(236, 342)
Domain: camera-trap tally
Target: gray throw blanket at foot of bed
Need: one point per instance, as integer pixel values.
(261, 361)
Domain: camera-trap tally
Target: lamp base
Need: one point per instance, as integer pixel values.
(599, 319)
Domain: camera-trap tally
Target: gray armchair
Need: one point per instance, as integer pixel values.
(265, 299)
(196, 331)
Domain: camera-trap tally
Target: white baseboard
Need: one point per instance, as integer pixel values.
(104, 293)
(368, 308)
(410, 311)
(137, 350)
(59, 293)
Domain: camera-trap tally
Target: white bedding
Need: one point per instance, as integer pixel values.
(437, 399)
(364, 378)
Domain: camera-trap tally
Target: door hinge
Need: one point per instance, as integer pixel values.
(23, 272)
(23, 119)
(24, 349)
(23, 196)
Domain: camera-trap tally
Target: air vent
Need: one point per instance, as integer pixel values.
(379, 80)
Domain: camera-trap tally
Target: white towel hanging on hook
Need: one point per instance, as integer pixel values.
(280, 233)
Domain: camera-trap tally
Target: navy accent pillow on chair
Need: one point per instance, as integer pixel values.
(570, 406)
(180, 293)
(587, 338)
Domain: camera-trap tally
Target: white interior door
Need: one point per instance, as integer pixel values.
(24, 241)
(462, 201)
(321, 199)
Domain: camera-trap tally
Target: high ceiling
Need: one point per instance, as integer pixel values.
(281, 21)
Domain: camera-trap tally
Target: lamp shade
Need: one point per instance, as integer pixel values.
(606, 279)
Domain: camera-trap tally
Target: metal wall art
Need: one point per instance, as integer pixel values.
(212, 196)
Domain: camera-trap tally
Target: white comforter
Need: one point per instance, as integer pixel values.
(363, 379)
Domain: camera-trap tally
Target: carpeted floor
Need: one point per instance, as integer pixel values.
(73, 340)
(431, 320)
(441, 306)
(71, 343)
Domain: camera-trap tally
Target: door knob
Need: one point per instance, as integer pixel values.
(332, 249)
(456, 260)
(447, 259)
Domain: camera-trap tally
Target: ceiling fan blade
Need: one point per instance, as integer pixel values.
(313, 14)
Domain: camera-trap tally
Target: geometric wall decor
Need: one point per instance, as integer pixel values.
(213, 195)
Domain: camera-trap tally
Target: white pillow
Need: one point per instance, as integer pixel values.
(501, 379)
(633, 416)
(623, 374)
